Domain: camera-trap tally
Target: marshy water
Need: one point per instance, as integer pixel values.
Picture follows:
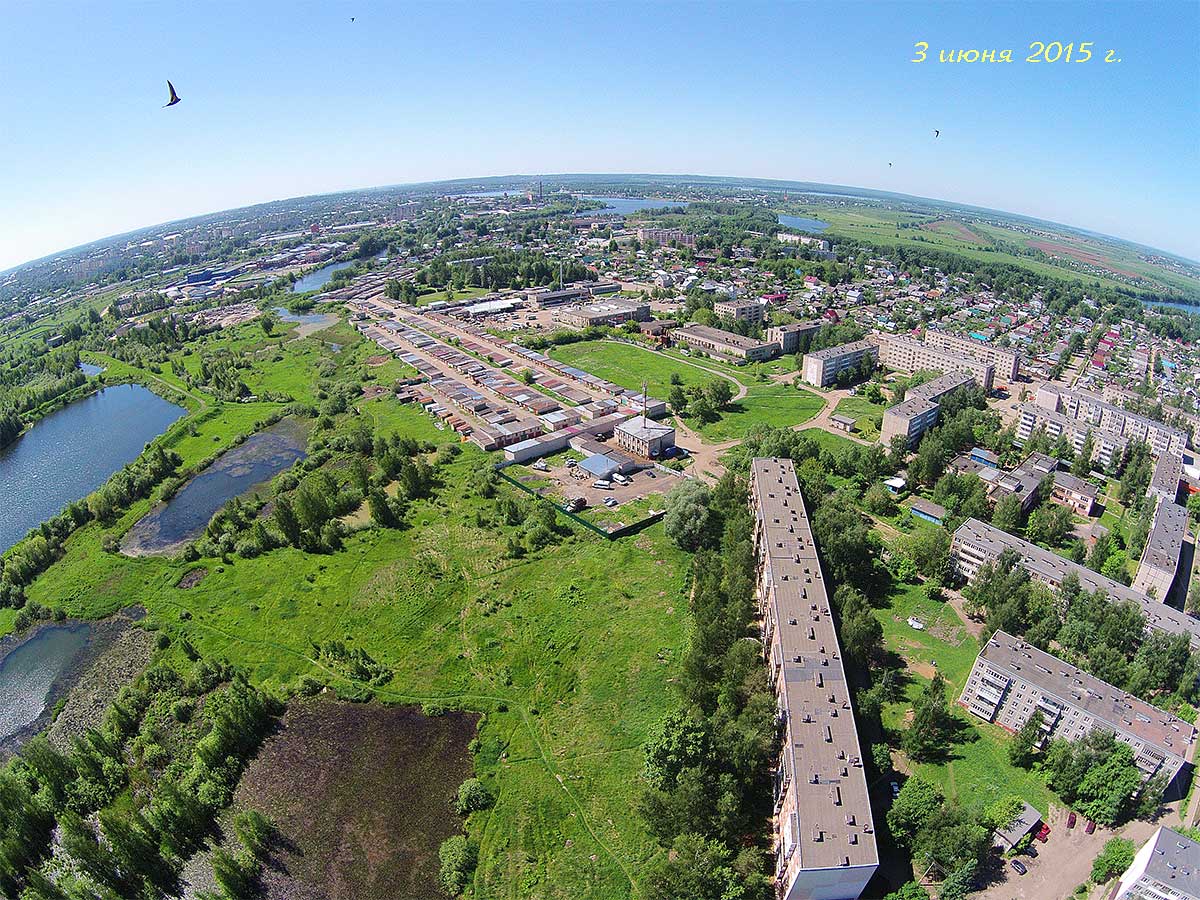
(41, 666)
(239, 471)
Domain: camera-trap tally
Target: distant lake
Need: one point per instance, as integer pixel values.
(626, 205)
(308, 318)
(89, 369)
(802, 223)
(1186, 307)
(318, 278)
(73, 451)
(236, 473)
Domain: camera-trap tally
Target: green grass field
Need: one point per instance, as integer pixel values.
(977, 769)
(629, 365)
(766, 402)
(778, 405)
(869, 415)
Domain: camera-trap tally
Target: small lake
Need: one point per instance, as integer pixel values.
(89, 369)
(318, 278)
(625, 205)
(237, 472)
(305, 318)
(1186, 307)
(72, 451)
(802, 223)
(29, 672)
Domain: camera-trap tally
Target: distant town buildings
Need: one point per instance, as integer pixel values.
(603, 312)
(824, 838)
(659, 237)
(1011, 679)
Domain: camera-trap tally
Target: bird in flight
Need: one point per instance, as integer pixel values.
(174, 96)
(936, 132)
(889, 165)
(352, 18)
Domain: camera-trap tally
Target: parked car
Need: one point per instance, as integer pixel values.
(1018, 866)
(895, 789)
(1043, 833)
(1091, 826)
(610, 502)
(1071, 820)
(1031, 851)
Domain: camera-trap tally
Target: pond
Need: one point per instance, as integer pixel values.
(318, 278)
(90, 369)
(29, 671)
(802, 223)
(238, 472)
(72, 451)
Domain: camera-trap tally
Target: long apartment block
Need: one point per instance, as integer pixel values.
(977, 543)
(1012, 679)
(1159, 564)
(906, 354)
(1106, 446)
(1007, 363)
(724, 344)
(1104, 416)
(822, 367)
(920, 410)
(824, 833)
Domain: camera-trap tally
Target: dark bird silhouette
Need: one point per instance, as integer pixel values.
(352, 18)
(174, 96)
(936, 132)
(889, 165)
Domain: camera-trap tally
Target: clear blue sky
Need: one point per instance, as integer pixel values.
(283, 99)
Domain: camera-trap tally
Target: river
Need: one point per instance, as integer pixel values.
(1186, 307)
(168, 527)
(72, 451)
(625, 205)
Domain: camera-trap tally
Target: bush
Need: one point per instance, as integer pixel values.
(458, 862)
(1113, 859)
(472, 796)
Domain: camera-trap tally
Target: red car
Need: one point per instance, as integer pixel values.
(1043, 833)
(1071, 820)
(1091, 826)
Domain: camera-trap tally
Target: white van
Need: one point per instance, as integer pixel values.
(620, 479)
(603, 485)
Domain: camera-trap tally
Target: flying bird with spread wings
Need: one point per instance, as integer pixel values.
(936, 132)
(174, 96)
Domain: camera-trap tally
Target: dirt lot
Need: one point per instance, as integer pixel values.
(1084, 256)
(955, 229)
(363, 796)
(1063, 863)
(568, 482)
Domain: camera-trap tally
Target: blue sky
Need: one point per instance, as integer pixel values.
(291, 98)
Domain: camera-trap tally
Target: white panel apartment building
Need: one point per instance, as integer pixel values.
(825, 836)
(1105, 446)
(905, 354)
(1007, 363)
(1166, 868)
(822, 367)
(1012, 679)
(1087, 408)
(976, 543)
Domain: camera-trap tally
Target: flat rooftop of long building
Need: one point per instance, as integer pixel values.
(842, 350)
(1107, 704)
(717, 336)
(1168, 472)
(1070, 482)
(1165, 541)
(823, 750)
(1175, 862)
(940, 386)
(810, 325)
(1053, 568)
(1104, 405)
